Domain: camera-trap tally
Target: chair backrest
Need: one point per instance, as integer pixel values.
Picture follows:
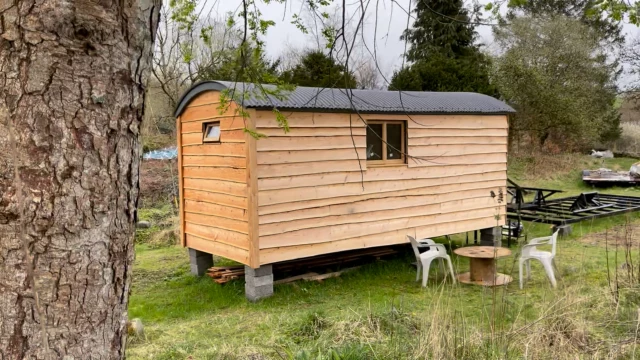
(553, 242)
(414, 245)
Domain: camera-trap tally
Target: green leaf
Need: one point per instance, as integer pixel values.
(281, 120)
(254, 134)
(488, 7)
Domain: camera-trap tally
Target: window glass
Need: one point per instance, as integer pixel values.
(374, 142)
(212, 131)
(394, 141)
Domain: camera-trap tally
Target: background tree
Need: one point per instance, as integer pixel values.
(440, 72)
(442, 52)
(71, 99)
(556, 75)
(586, 11)
(318, 69)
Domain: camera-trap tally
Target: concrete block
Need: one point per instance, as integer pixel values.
(257, 281)
(261, 271)
(565, 230)
(491, 236)
(253, 293)
(200, 261)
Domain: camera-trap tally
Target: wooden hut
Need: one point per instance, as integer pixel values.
(357, 169)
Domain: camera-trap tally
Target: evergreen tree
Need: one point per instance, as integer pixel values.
(442, 51)
(441, 26)
(319, 70)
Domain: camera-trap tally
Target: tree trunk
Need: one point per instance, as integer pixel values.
(71, 102)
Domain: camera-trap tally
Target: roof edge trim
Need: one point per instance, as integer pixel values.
(194, 91)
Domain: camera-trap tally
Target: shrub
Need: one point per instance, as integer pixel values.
(629, 142)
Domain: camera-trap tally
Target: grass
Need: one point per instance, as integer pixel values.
(380, 312)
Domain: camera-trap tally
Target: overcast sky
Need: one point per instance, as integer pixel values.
(391, 19)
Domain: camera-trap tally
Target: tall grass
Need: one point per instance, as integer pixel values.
(379, 312)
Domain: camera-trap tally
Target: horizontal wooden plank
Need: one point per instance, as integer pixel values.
(266, 119)
(238, 226)
(314, 131)
(223, 173)
(395, 200)
(279, 170)
(457, 122)
(309, 156)
(218, 235)
(427, 161)
(273, 197)
(209, 97)
(272, 255)
(439, 151)
(452, 140)
(231, 149)
(376, 174)
(216, 186)
(217, 248)
(214, 160)
(306, 119)
(206, 208)
(310, 143)
(370, 217)
(347, 231)
(197, 113)
(419, 132)
(216, 198)
(191, 139)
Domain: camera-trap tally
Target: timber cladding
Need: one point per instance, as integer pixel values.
(213, 179)
(313, 191)
(316, 193)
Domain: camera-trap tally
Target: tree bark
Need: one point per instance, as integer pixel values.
(71, 102)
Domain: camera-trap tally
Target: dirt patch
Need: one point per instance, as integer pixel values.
(158, 182)
(626, 235)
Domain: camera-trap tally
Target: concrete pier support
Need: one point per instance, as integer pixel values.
(491, 236)
(258, 282)
(200, 261)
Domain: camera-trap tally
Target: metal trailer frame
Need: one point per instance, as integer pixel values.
(568, 210)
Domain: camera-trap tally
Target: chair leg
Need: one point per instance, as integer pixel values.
(419, 270)
(528, 269)
(555, 267)
(425, 272)
(453, 275)
(548, 268)
(521, 268)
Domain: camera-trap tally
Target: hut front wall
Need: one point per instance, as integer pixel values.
(213, 180)
(317, 194)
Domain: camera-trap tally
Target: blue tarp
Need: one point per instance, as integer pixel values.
(162, 154)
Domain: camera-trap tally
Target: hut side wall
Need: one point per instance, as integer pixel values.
(213, 180)
(316, 197)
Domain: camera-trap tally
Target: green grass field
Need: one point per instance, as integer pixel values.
(380, 312)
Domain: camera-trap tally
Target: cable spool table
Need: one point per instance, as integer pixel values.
(482, 263)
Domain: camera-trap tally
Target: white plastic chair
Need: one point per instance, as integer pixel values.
(423, 261)
(531, 252)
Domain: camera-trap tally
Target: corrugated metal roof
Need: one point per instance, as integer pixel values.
(352, 100)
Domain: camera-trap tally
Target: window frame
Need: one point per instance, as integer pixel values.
(403, 144)
(205, 126)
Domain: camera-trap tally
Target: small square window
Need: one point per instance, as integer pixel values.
(386, 142)
(211, 131)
